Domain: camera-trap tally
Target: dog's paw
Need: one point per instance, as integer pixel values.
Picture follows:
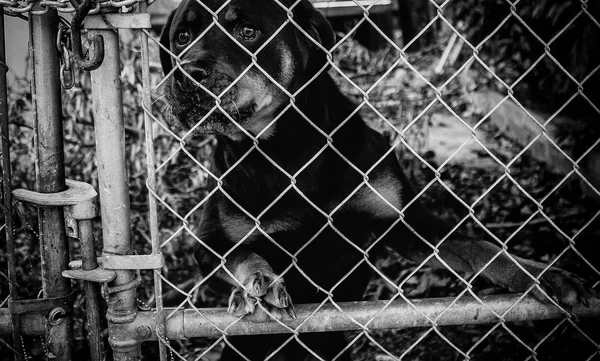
(262, 298)
(565, 288)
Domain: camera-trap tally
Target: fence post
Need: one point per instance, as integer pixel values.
(50, 177)
(114, 192)
(151, 184)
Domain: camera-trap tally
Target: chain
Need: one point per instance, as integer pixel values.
(16, 8)
(44, 345)
(25, 355)
(171, 355)
(25, 225)
(146, 307)
(63, 44)
(143, 305)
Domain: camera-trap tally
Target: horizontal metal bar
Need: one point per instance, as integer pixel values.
(32, 324)
(328, 8)
(115, 261)
(372, 314)
(118, 21)
(78, 264)
(205, 322)
(39, 305)
(98, 275)
(348, 8)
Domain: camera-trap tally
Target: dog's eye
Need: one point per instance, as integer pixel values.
(183, 37)
(247, 32)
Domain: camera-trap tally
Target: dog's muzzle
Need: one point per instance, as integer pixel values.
(195, 92)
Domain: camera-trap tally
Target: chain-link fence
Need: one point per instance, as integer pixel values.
(252, 147)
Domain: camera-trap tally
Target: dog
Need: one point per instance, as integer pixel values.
(308, 194)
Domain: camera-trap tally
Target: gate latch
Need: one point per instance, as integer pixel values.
(80, 201)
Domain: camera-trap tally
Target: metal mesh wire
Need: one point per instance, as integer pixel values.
(185, 146)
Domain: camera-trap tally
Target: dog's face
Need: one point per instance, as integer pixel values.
(212, 76)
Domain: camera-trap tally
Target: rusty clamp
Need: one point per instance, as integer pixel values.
(54, 308)
(80, 202)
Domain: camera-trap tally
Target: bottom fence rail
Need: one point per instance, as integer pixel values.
(344, 316)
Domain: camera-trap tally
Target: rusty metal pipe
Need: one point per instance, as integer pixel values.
(32, 324)
(92, 290)
(114, 190)
(186, 323)
(50, 175)
(398, 315)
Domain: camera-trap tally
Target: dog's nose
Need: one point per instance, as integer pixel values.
(196, 72)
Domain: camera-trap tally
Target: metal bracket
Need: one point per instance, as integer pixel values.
(78, 264)
(133, 262)
(80, 201)
(118, 21)
(42, 305)
(111, 262)
(99, 275)
(97, 42)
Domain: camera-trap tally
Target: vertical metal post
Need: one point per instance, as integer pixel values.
(151, 184)
(6, 188)
(50, 175)
(114, 190)
(92, 290)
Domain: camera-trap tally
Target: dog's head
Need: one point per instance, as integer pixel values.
(210, 66)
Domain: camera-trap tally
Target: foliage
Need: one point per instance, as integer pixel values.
(515, 47)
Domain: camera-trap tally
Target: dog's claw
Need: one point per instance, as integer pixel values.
(594, 294)
(564, 288)
(292, 311)
(240, 304)
(258, 287)
(269, 290)
(584, 301)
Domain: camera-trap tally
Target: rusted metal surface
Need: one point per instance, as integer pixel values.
(80, 208)
(80, 205)
(373, 315)
(50, 175)
(43, 305)
(399, 314)
(32, 324)
(92, 291)
(97, 55)
(114, 192)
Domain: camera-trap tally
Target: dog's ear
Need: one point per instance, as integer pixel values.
(165, 40)
(320, 29)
